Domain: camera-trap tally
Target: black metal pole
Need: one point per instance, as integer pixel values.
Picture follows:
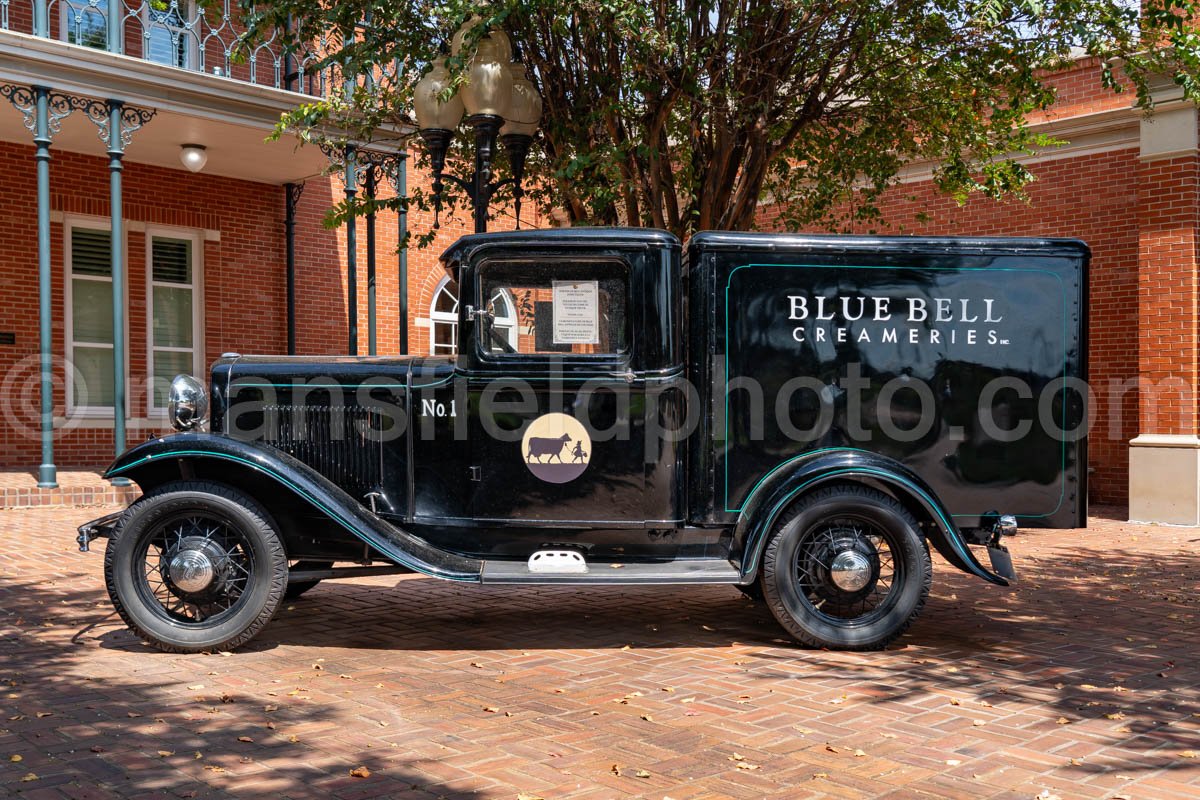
(371, 178)
(487, 126)
(351, 252)
(402, 191)
(292, 198)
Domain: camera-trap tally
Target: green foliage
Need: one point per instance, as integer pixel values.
(687, 114)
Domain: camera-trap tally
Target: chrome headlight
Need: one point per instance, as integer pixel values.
(187, 404)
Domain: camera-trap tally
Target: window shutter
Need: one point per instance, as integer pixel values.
(172, 260)
(91, 252)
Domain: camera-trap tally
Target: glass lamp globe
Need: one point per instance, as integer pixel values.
(489, 85)
(526, 108)
(432, 112)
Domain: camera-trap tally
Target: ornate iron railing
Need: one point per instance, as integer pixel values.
(177, 33)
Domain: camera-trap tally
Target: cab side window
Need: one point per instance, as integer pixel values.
(561, 307)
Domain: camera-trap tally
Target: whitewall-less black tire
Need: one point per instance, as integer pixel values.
(846, 568)
(195, 566)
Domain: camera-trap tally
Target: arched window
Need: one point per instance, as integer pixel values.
(443, 317)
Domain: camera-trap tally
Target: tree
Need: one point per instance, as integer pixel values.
(687, 114)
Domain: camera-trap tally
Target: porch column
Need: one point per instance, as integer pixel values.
(41, 18)
(47, 472)
(114, 17)
(292, 200)
(371, 179)
(1164, 459)
(351, 182)
(117, 123)
(402, 193)
(43, 111)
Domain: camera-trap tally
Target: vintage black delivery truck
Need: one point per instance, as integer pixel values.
(801, 417)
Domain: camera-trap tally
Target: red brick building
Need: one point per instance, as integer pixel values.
(205, 253)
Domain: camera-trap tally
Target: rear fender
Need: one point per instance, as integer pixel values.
(172, 457)
(791, 480)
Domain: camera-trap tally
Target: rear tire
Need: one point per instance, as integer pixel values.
(195, 566)
(846, 568)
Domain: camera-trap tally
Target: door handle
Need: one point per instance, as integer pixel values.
(626, 376)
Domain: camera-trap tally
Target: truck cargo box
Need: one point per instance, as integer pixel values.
(964, 359)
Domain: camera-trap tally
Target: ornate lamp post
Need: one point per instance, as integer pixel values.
(499, 100)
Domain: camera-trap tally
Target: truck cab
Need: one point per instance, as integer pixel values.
(800, 417)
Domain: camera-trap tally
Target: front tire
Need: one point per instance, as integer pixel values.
(846, 568)
(195, 566)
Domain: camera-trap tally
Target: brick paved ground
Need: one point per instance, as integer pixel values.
(1082, 682)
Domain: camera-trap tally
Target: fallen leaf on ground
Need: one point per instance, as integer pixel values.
(648, 718)
(1062, 721)
(165, 753)
(196, 686)
(42, 714)
(859, 754)
(270, 708)
(29, 776)
(615, 769)
(1115, 715)
(245, 739)
(641, 773)
(746, 765)
(737, 757)
(817, 775)
(97, 748)
(214, 768)
(1188, 754)
(832, 749)
(132, 714)
(952, 762)
(954, 702)
(1076, 762)
(18, 759)
(524, 796)
(360, 772)
(979, 722)
(293, 738)
(491, 709)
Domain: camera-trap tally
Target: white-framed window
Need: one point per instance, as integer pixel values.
(87, 295)
(443, 318)
(84, 22)
(174, 330)
(169, 33)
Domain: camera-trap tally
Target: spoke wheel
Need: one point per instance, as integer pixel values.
(195, 566)
(846, 568)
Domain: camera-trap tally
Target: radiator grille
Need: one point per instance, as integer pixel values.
(340, 442)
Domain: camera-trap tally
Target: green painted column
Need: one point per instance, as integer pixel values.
(41, 18)
(114, 17)
(116, 152)
(351, 181)
(402, 191)
(47, 472)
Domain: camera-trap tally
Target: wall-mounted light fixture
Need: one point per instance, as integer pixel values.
(193, 156)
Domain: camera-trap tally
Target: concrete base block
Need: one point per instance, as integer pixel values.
(1164, 479)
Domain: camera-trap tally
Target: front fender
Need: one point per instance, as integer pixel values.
(804, 473)
(166, 458)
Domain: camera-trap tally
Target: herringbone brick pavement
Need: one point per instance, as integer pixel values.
(1082, 682)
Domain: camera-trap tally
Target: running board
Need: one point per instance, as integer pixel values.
(690, 570)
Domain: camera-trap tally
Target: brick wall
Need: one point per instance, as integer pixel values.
(243, 282)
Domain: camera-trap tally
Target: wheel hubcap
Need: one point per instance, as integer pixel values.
(850, 571)
(191, 571)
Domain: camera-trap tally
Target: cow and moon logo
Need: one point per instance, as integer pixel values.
(556, 448)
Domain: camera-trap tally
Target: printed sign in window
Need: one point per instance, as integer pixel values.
(576, 312)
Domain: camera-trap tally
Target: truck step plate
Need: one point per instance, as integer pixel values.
(693, 570)
(557, 562)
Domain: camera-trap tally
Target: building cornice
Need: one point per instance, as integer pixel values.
(34, 60)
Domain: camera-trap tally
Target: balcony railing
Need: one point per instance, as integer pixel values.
(176, 33)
